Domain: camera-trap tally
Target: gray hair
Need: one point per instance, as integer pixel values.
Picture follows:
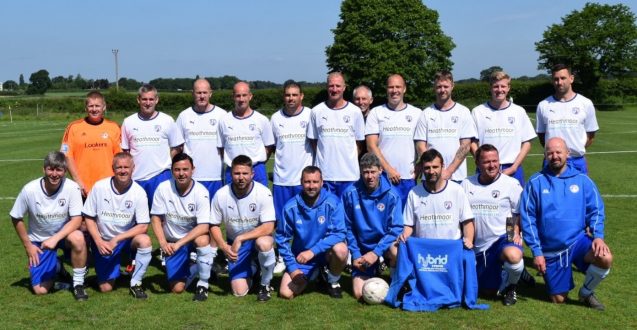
(362, 87)
(55, 159)
(147, 88)
(369, 160)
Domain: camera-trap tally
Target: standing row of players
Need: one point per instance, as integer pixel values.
(332, 133)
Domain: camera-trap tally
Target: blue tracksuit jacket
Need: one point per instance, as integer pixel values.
(555, 210)
(374, 220)
(316, 228)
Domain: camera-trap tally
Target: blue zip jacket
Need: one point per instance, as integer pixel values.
(374, 220)
(555, 210)
(316, 228)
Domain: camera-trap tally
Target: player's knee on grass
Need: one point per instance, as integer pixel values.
(106, 286)
(42, 288)
(340, 251)
(264, 243)
(559, 298)
(357, 286)
(177, 287)
(202, 240)
(240, 287)
(605, 261)
(141, 241)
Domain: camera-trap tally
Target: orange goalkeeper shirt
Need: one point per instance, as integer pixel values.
(92, 146)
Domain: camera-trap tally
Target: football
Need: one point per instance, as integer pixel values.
(375, 290)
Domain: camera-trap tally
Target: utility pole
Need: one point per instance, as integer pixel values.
(116, 52)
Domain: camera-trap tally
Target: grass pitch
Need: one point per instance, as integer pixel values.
(611, 162)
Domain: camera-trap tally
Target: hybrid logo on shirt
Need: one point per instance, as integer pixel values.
(545, 191)
(62, 202)
(574, 188)
(380, 207)
(448, 204)
(495, 193)
(128, 204)
(433, 264)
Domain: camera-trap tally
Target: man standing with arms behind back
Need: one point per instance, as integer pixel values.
(337, 131)
(568, 115)
(152, 138)
(90, 143)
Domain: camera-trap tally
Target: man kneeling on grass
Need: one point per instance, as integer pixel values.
(180, 219)
(54, 204)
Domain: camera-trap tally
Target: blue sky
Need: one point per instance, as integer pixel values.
(251, 39)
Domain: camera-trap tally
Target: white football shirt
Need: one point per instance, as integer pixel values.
(113, 212)
(149, 142)
(200, 134)
(47, 214)
(337, 131)
(244, 136)
(569, 120)
(241, 215)
(180, 214)
(437, 215)
(491, 204)
(293, 149)
(395, 130)
(443, 129)
(506, 129)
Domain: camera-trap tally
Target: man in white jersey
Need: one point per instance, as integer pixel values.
(494, 200)
(337, 131)
(437, 208)
(293, 150)
(245, 131)
(504, 125)
(567, 115)
(362, 98)
(180, 217)
(389, 132)
(116, 216)
(448, 127)
(246, 209)
(54, 205)
(153, 139)
(198, 126)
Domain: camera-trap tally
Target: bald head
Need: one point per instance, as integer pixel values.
(556, 152)
(242, 96)
(201, 93)
(396, 91)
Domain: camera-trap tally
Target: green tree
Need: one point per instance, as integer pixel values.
(375, 38)
(597, 42)
(486, 73)
(10, 85)
(21, 80)
(40, 82)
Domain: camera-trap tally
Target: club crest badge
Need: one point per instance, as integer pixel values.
(409, 118)
(511, 120)
(253, 207)
(321, 219)
(303, 123)
(574, 188)
(62, 202)
(252, 127)
(454, 119)
(157, 128)
(575, 110)
(128, 204)
(380, 207)
(213, 122)
(105, 135)
(448, 204)
(495, 193)
(346, 119)
(191, 207)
